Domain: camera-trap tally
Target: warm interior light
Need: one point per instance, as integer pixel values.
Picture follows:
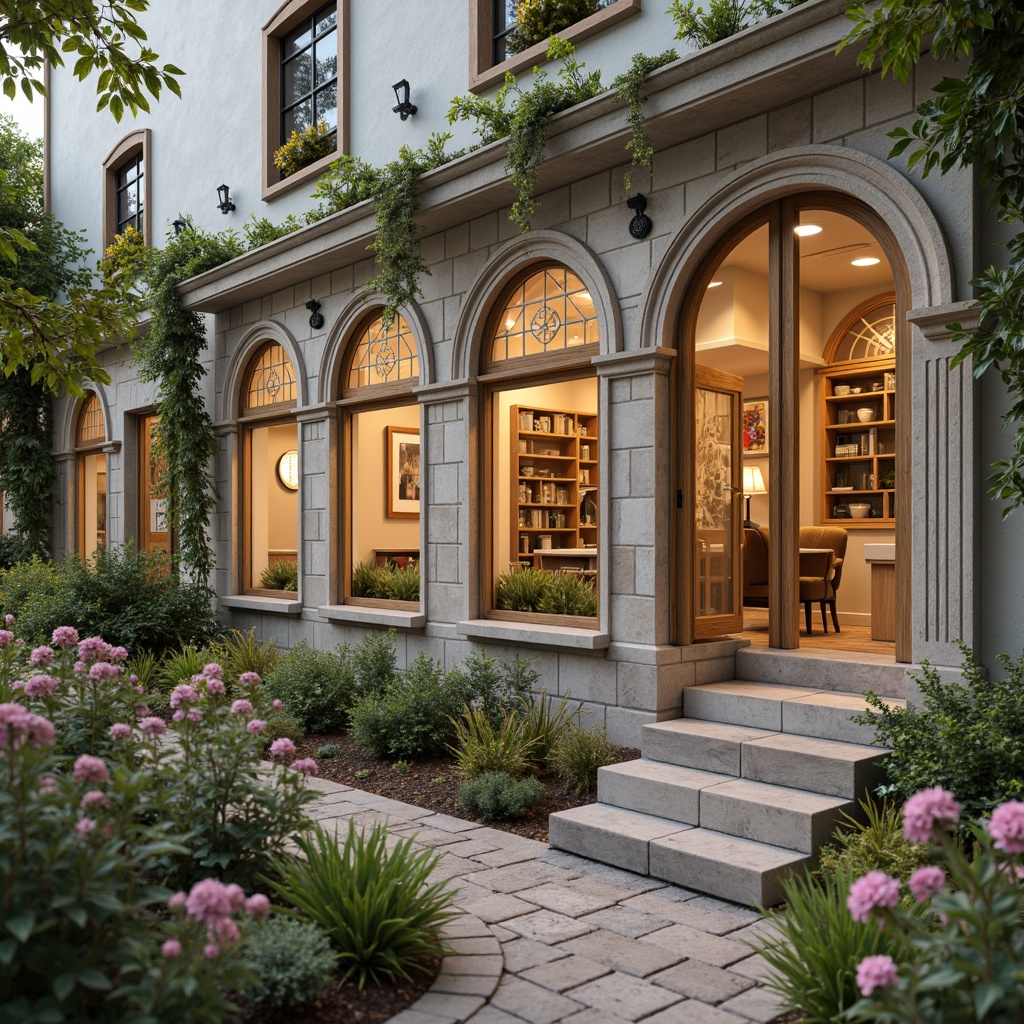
(803, 230)
(865, 261)
(585, 296)
(714, 284)
(753, 481)
(509, 324)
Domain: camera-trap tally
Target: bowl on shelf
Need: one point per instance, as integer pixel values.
(860, 511)
(865, 414)
(842, 390)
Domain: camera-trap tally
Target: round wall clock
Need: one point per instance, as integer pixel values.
(288, 470)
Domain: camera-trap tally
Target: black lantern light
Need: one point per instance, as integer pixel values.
(404, 108)
(224, 195)
(641, 224)
(316, 318)
(179, 225)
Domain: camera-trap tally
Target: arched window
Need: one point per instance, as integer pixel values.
(543, 431)
(270, 473)
(90, 437)
(381, 495)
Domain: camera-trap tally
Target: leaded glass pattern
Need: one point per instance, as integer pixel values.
(383, 356)
(549, 311)
(271, 379)
(871, 336)
(91, 429)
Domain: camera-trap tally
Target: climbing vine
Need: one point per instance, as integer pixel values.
(171, 354)
(629, 89)
(526, 122)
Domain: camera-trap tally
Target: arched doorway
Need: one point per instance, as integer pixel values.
(764, 307)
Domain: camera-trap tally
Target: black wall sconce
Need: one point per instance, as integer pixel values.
(404, 108)
(224, 195)
(179, 225)
(316, 320)
(641, 224)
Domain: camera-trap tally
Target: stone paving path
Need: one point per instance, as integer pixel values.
(548, 936)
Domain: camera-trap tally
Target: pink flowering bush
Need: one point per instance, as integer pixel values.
(961, 955)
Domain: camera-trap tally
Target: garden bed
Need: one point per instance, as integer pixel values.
(434, 784)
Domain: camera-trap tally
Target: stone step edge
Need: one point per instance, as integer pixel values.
(806, 692)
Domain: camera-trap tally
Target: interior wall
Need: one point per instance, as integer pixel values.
(94, 504)
(273, 508)
(578, 396)
(371, 527)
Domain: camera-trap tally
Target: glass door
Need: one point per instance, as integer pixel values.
(154, 533)
(717, 503)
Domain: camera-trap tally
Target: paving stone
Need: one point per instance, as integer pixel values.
(631, 923)
(457, 842)
(754, 967)
(757, 1004)
(466, 892)
(446, 823)
(453, 867)
(412, 1016)
(502, 934)
(547, 926)
(531, 1002)
(623, 954)
(464, 984)
(574, 898)
(471, 848)
(466, 927)
(523, 954)
(714, 915)
(591, 1016)
(497, 907)
(697, 980)
(449, 1004)
(489, 1015)
(474, 964)
(760, 931)
(624, 996)
(567, 973)
(662, 903)
(693, 1012)
(499, 858)
(698, 945)
(488, 944)
(522, 876)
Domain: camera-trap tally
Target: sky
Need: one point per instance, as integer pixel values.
(28, 115)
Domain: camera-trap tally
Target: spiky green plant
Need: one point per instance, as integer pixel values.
(280, 576)
(544, 723)
(522, 589)
(481, 747)
(569, 593)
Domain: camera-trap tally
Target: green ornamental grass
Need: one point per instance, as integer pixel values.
(379, 908)
(481, 747)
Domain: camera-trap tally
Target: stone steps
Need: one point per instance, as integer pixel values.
(729, 799)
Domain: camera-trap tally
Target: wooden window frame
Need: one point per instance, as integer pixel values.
(134, 145)
(289, 16)
(484, 73)
(85, 450)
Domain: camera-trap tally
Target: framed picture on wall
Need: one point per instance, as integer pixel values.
(403, 498)
(755, 427)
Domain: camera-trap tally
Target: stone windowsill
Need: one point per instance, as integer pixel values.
(533, 633)
(396, 618)
(255, 603)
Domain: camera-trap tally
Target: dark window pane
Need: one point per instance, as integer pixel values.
(327, 106)
(296, 78)
(327, 58)
(296, 41)
(298, 119)
(326, 19)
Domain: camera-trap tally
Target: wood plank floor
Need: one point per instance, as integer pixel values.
(852, 640)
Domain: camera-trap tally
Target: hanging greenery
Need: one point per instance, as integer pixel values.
(628, 89)
(171, 354)
(723, 18)
(525, 124)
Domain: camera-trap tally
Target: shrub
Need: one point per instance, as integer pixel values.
(329, 750)
(522, 589)
(374, 662)
(293, 961)
(577, 756)
(959, 952)
(303, 148)
(569, 593)
(496, 796)
(723, 18)
(496, 687)
(481, 748)
(966, 738)
(544, 724)
(817, 945)
(378, 906)
(237, 652)
(412, 718)
(280, 576)
(173, 670)
(388, 582)
(317, 687)
(877, 844)
(537, 20)
(32, 592)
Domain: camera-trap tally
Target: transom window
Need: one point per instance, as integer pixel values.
(129, 195)
(271, 379)
(90, 434)
(309, 74)
(549, 311)
(383, 356)
(871, 333)
(91, 429)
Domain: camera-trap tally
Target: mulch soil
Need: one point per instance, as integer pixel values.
(435, 786)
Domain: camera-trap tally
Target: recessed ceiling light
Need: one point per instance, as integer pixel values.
(865, 261)
(714, 284)
(807, 229)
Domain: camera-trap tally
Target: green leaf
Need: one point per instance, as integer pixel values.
(8, 950)
(63, 986)
(21, 925)
(94, 979)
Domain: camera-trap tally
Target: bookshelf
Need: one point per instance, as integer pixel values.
(555, 480)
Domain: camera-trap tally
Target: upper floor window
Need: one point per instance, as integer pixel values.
(512, 35)
(127, 187)
(304, 48)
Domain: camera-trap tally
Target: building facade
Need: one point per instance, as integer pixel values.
(582, 398)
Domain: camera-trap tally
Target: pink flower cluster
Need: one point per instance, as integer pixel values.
(249, 679)
(282, 747)
(91, 769)
(213, 903)
(1006, 827)
(6, 637)
(95, 648)
(64, 637)
(926, 810)
(876, 972)
(185, 692)
(927, 882)
(873, 891)
(39, 685)
(18, 725)
(153, 726)
(41, 657)
(120, 731)
(241, 707)
(256, 726)
(306, 766)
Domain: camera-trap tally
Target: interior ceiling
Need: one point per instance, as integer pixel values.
(824, 267)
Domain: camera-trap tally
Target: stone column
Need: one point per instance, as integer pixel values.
(319, 522)
(946, 483)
